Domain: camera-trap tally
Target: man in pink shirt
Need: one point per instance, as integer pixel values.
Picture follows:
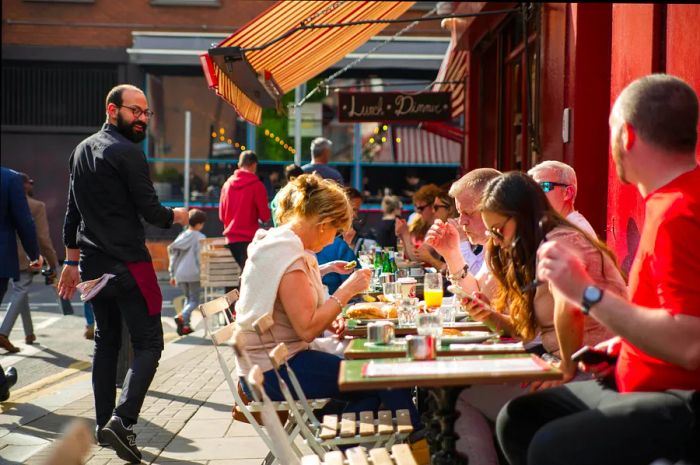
(243, 203)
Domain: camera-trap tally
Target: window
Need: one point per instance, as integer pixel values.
(60, 1)
(214, 3)
(55, 94)
(508, 95)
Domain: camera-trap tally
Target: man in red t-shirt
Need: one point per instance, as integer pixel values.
(242, 204)
(649, 409)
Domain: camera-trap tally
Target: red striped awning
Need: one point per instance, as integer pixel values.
(300, 56)
(419, 146)
(454, 68)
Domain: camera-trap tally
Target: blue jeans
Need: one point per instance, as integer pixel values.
(191, 291)
(88, 313)
(318, 375)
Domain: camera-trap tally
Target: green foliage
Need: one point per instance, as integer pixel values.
(169, 175)
(278, 124)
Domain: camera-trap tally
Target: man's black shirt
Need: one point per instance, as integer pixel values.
(110, 191)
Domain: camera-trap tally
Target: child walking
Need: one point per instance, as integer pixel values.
(184, 267)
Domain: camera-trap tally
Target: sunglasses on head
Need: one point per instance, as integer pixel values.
(548, 186)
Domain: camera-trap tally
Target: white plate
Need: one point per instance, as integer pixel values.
(364, 321)
(459, 316)
(468, 337)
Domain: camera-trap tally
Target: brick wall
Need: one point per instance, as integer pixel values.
(109, 23)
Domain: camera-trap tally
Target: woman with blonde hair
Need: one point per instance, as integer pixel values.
(282, 277)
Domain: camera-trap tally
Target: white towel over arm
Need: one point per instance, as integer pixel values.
(269, 255)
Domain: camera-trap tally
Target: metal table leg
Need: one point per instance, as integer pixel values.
(439, 418)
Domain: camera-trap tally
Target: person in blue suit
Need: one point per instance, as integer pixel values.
(15, 219)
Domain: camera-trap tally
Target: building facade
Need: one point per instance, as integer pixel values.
(540, 85)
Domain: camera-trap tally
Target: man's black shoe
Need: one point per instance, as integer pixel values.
(122, 439)
(10, 380)
(99, 438)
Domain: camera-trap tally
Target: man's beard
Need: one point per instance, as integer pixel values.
(127, 130)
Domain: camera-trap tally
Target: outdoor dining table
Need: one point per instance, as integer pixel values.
(361, 349)
(443, 379)
(354, 329)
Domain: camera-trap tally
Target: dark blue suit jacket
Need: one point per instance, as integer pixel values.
(15, 218)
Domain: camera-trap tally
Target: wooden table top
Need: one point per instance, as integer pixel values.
(352, 376)
(361, 349)
(361, 330)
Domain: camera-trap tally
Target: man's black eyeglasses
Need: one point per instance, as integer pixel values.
(438, 206)
(138, 112)
(420, 208)
(548, 186)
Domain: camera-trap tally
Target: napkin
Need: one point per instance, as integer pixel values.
(89, 289)
(488, 347)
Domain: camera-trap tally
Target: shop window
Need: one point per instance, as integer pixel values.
(185, 3)
(55, 94)
(508, 95)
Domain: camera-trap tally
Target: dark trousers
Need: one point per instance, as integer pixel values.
(118, 300)
(239, 251)
(590, 423)
(3, 289)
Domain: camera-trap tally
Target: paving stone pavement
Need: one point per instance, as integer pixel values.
(186, 417)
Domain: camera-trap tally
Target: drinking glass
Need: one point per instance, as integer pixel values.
(392, 291)
(447, 311)
(432, 290)
(408, 307)
(429, 324)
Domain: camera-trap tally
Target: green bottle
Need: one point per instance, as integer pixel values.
(386, 266)
(392, 261)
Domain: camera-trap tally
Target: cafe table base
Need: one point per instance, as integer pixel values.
(439, 418)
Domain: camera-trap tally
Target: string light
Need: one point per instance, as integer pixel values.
(383, 139)
(222, 138)
(242, 147)
(398, 140)
(221, 130)
(213, 135)
(228, 141)
(371, 140)
(385, 127)
(267, 132)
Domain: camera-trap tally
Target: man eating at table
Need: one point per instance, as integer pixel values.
(649, 409)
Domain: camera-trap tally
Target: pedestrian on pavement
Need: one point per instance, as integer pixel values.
(242, 206)
(183, 256)
(644, 404)
(290, 173)
(321, 155)
(558, 180)
(19, 300)
(15, 220)
(110, 192)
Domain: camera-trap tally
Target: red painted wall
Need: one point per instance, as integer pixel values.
(635, 53)
(682, 45)
(588, 96)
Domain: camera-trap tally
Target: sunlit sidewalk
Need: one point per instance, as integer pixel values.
(186, 418)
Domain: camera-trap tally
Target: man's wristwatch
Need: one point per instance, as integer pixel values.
(591, 296)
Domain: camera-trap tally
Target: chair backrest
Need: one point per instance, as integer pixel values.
(280, 446)
(220, 333)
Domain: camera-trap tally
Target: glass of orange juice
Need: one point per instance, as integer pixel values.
(432, 290)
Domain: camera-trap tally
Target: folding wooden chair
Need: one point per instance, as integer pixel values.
(400, 455)
(333, 431)
(220, 328)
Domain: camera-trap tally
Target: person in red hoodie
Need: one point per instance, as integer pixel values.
(243, 203)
